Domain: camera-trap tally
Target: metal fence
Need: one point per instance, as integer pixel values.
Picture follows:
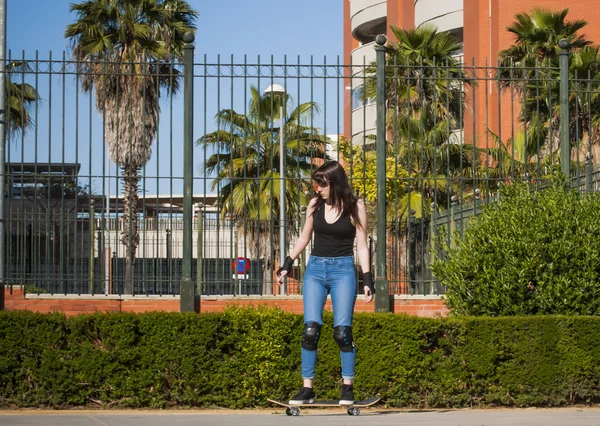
(453, 134)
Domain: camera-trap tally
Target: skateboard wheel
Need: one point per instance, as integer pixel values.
(288, 411)
(353, 411)
(295, 411)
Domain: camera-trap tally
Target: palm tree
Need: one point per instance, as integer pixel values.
(422, 76)
(519, 157)
(537, 35)
(437, 166)
(245, 161)
(20, 97)
(126, 50)
(425, 96)
(529, 69)
(584, 101)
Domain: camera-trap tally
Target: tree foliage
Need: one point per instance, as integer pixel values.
(169, 360)
(244, 157)
(425, 96)
(530, 69)
(127, 51)
(532, 252)
(20, 97)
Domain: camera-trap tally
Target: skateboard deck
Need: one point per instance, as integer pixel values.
(352, 409)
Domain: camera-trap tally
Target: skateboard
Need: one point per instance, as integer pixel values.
(353, 410)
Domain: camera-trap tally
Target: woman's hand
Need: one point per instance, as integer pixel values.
(280, 275)
(285, 269)
(369, 287)
(368, 294)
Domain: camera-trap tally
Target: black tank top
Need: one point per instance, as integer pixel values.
(333, 239)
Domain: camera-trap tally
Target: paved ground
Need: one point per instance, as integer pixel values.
(275, 417)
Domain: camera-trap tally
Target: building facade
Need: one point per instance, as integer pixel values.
(479, 24)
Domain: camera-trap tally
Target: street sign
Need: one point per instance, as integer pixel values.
(241, 265)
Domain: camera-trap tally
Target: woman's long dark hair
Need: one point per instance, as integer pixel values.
(340, 192)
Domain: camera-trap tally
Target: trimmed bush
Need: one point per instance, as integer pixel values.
(530, 253)
(238, 358)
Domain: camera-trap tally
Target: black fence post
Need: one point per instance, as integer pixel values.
(382, 285)
(3, 133)
(187, 290)
(589, 171)
(412, 248)
(92, 250)
(565, 145)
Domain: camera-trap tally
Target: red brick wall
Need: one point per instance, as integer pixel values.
(420, 306)
(401, 14)
(16, 300)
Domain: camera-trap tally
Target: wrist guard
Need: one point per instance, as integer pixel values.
(368, 282)
(287, 265)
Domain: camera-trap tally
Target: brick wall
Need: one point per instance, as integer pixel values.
(15, 299)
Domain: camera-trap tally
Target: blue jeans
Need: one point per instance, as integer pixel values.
(336, 276)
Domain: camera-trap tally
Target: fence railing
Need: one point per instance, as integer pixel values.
(454, 134)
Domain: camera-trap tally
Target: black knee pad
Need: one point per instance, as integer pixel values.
(342, 334)
(310, 335)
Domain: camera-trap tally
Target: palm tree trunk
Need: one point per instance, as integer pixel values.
(130, 236)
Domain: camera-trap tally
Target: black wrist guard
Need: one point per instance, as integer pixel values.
(368, 281)
(287, 265)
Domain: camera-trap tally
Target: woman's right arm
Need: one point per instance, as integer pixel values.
(301, 242)
(307, 231)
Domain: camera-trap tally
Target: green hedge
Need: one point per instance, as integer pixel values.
(534, 252)
(238, 358)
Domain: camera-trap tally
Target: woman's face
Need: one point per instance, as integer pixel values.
(323, 191)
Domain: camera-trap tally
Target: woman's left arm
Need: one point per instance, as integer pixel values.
(362, 251)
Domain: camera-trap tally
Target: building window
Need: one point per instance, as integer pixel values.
(358, 97)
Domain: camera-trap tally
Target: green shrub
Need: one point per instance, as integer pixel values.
(530, 253)
(238, 358)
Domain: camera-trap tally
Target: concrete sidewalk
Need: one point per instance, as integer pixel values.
(275, 417)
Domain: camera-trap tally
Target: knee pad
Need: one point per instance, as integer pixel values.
(310, 335)
(342, 334)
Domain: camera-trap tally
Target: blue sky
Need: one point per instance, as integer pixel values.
(265, 27)
(309, 29)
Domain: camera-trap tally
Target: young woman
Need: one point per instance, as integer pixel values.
(337, 220)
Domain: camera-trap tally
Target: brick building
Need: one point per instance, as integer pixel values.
(479, 24)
